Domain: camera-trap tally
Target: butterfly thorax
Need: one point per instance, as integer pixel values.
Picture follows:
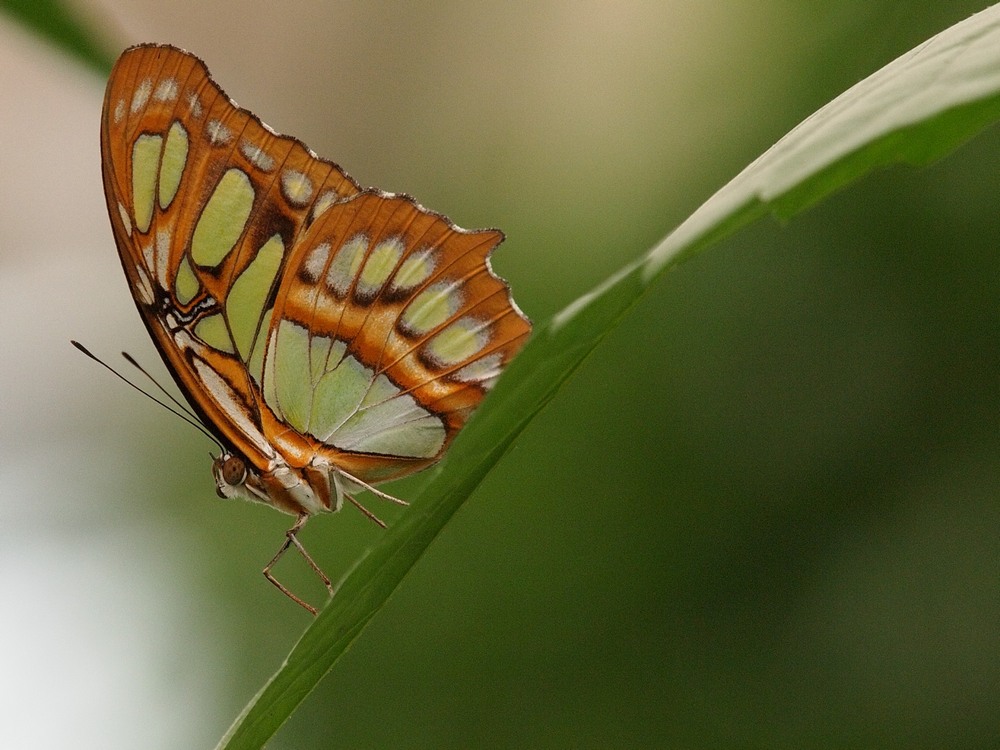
(315, 488)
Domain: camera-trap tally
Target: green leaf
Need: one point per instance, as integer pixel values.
(55, 21)
(915, 109)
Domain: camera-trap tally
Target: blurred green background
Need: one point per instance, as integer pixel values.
(763, 515)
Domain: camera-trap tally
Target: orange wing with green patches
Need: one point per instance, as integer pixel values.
(205, 203)
(401, 326)
(305, 319)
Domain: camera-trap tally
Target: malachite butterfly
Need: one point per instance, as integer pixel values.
(330, 337)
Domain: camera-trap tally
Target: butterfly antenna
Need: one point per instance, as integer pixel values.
(183, 407)
(183, 414)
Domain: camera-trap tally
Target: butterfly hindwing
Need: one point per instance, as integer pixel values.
(402, 327)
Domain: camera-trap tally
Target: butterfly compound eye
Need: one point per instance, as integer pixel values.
(234, 471)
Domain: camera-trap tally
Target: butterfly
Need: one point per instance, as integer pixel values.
(330, 337)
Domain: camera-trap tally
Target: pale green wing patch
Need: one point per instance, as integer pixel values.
(286, 390)
(337, 396)
(249, 293)
(186, 285)
(145, 164)
(255, 365)
(175, 152)
(222, 219)
(316, 388)
(212, 330)
(398, 426)
(346, 264)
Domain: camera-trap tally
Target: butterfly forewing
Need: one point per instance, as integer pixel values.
(206, 202)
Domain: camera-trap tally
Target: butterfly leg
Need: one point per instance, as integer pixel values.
(342, 493)
(371, 516)
(291, 539)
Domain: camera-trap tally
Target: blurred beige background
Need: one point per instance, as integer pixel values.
(763, 515)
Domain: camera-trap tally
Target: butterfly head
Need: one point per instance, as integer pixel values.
(230, 474)
(291, 490)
